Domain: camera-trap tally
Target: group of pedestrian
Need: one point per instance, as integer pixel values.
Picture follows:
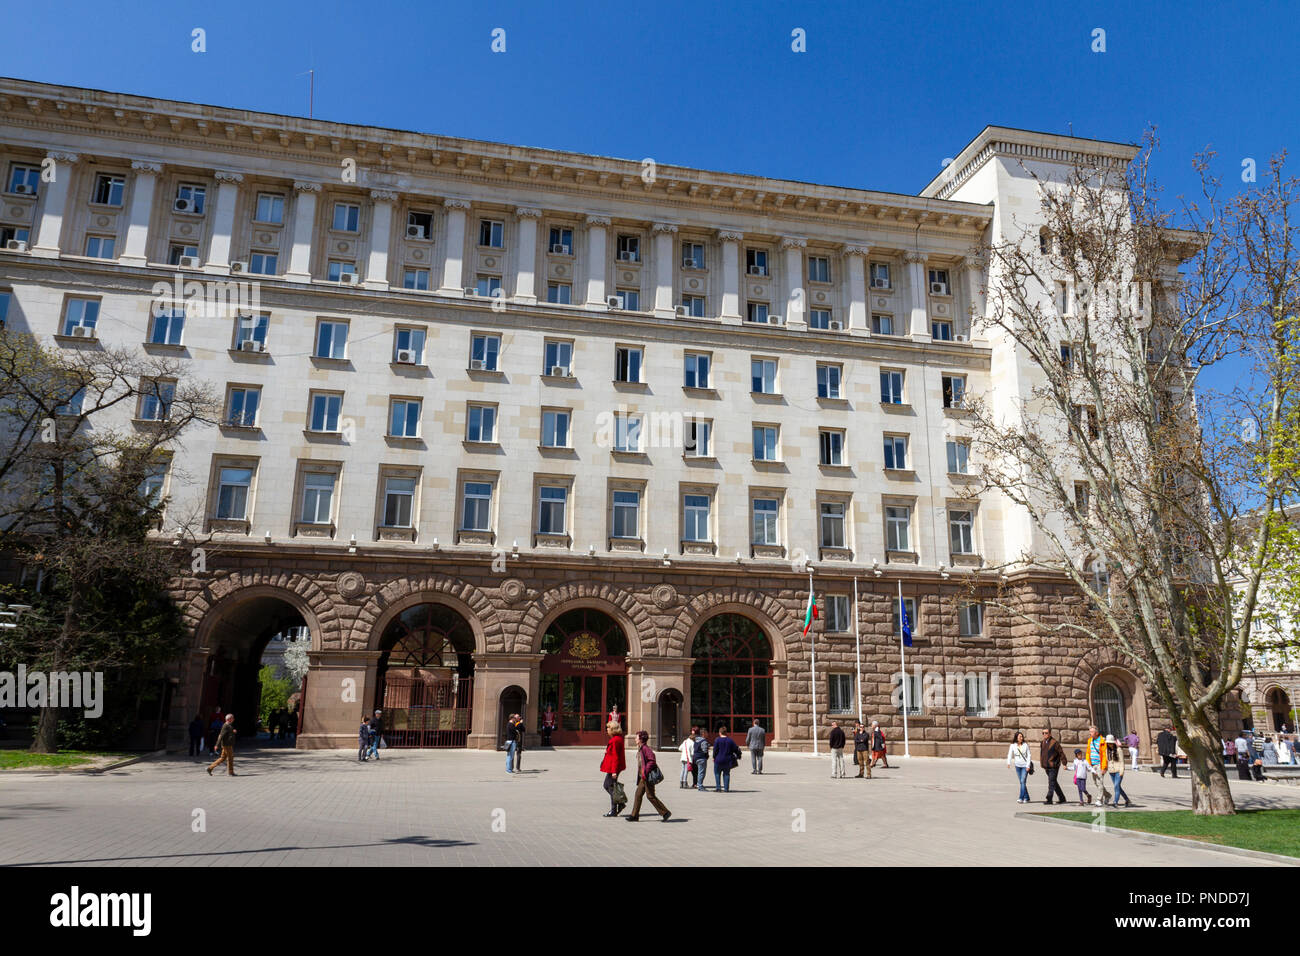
(694, 754)
(1252, 752)
(282, 724)
(515, 744)
(1102, 758)
(370, 736)
(648, 774)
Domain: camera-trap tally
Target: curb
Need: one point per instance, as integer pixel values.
(1172, 841)
(126, 763)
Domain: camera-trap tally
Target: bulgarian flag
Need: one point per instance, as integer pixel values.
(810, 615)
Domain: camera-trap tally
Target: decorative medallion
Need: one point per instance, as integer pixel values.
(350, 584)
(694, 283)
(664, 595)
(264, 238)
(757, 290)
(941, 308)
(15, 211)
(513, 590)
(584, 646)
(418, 255)
(102, 220)
(490, 261)
(559, 270)
(880, 302)
(821, 296)
(342, 247)
(185, 229)
(628, 277)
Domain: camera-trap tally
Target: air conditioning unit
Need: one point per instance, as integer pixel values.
(775, 320)
(559, 249)
(879, 283)
(239, 267)
(349, 278)
(192, 262)
(16, 245)
(681, 311)
(183, 205)
(614, 301)
(757, 271)
(959, 338)
(476, 365)
(470, 291)
(836, 326)
(82, 332)
(406, 356)
(250, 345)
(938, 288)
(22, 189)
(415, 232)
(559, 371)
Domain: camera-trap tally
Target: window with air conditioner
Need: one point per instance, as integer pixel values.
(417, 279)
(561, 241)
(13, 234)
(347, 217)
(408, 344)
(558, 359)
(242, 405)
(80, 314)
(629, 248)
(828, 381)
(23, 180)
(270, 209)
(630, 299)
(880, 275)
(178, 251)
(250, 330)
(337, 270)
(692, 255)
(191, 198)
(693, 305)
(939, 281)
(404, 418)
(756, 262)
(419, 225)
(483, 352)
(109, 190)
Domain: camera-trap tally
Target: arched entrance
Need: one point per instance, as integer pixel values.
(669, 731)
(512, 702)
(425, 677)
(1108, 709)
(1278, 703)
(731, 679)
(583, 675)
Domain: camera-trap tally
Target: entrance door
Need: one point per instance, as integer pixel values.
(583, 676)
(731, 679)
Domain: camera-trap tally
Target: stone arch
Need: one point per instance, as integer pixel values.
(398, 595)
(1136, 713)
(777, 622)
(617, 603)
(218, 597)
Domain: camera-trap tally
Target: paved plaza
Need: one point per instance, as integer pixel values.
(460, 808)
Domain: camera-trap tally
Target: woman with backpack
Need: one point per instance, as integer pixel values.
(614, 764)
(647, 778)
(1018, 755)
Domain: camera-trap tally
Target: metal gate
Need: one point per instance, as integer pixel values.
(420, 712)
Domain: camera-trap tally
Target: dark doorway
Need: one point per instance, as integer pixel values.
(583, 675)
(731, 679)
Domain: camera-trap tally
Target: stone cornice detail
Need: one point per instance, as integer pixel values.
(794, 242)
(230, 176)
(63, 157)
(146, 166)
(857, 250)
(456, 203)
(730, 235)
(528, 212)
(668, 227)
(383, 195)
(598, 220)
(912, 258)
(303, 186)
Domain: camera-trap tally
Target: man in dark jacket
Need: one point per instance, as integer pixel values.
(837, 751)
(862, 750)
(1051, 756)
(756, 741)
(700, 757)
(226, 743)
(1167, 747)
(376, 730)
(726, 755)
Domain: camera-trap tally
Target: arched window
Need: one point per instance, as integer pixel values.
(1108, 709)
(731, 679)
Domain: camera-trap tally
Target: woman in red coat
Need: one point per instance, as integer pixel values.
(614, 764)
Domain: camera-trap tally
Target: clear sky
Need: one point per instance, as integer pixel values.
(883, 94)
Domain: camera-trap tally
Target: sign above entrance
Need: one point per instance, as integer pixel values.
(585, 652)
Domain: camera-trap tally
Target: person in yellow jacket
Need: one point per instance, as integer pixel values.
(1097, 762)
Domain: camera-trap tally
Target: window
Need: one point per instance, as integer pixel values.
(832, 447)
(1077, 415)
(167, 327)
(762, 373)
(13, 233)
(627, 432)
(631, 300)
(1063, 298)
(828, 381)
(627, 365)
(317, 497)
(73, 405)
(891, 386)
(417, 279)
(1067, 356)
(338, 269)
(151, 488)
(551, 504)
(399, 496)
(910, 605)
(819, 269)
(555, 429)
(958, 458)
(561, 243)
(756, 312)
(832, 524)
(939, 281)
(909, 694)
(1081, 498)
(697, 370)
(898, 519)
(476, 508)
(629, 248)
(837, 614)
(5, 296)
(483, 352)
(404, 418)
(419, 225)
(1044, 240)
(488, 285)
(270, 208)
(880, 275)
(232, 493)
(882, 324)
(695, 515)
(24, 179)
(325, 409)
(941, 330)
(765, 439)
(332, 340)
(156, 400)
(840, 687)
(560, 293)
(627, 510)
(697, 438)
(410, 342)
(241, 409)
(954, 391)
(819, 319)
(692, 255)
(100, 247)
(977, 694)
(108, 190)
(970, 620)
(1095, 569)
(896, 452)
(481, 423)
(766, 513)
(347, 217)
(264, 263)
(559, 358)
(80, 313)
(251, 328)
(694, 305)
(756, 262)
(178, 251)
(193, 196)
(961, 531)
(491, 233)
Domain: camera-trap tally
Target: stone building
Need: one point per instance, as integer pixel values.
(511, 429)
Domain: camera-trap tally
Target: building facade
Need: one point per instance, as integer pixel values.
(513, 429)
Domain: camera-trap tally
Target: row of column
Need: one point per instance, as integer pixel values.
(914, 310)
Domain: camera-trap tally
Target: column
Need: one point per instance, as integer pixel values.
(918, 297)
(136, 252)
(795, 306)
(453, 256)
(855, 259)
(731, 276)
(49, 227)
(223, 221)
(596, 226)
(304, 226)
(526, 276)
(381, 234)
(663, 234)
(973, 270)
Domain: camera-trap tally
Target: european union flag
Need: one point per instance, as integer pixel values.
(907, 625)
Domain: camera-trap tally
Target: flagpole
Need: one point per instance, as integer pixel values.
(857, 648)
(902, 659)
(812, 644)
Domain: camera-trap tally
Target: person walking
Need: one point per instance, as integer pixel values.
(225, 741)
(512, 741)
(1097, 762)
(1131, 741)
(1018, 756)
(1081, 777)
(363, 740)
(376, 733)
(648, 775)
(1243, 756)
(196, 736)
(1115, 765)
(755, 741)
(687, 750)
(613, 764)
(1167, 747)
(519, 743)
(726, 755)
(878, 750)
(862, 750)
(836, 742)
(1051, 756)
(701, 760)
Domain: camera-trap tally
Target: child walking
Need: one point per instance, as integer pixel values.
(363, 739)
(1081, 777)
